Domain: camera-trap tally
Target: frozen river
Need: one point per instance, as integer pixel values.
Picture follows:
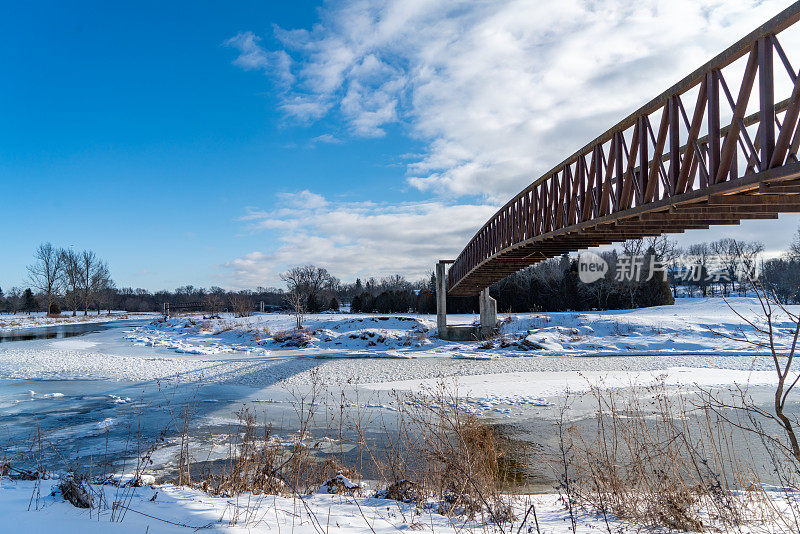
(138, 399)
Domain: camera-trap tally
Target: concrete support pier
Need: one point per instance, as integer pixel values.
(488, 309)
(441, 299)
(488, 313)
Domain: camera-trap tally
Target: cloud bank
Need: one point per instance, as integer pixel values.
(354, 239)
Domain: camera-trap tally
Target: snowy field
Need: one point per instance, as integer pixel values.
(9, 322)
(688, 327)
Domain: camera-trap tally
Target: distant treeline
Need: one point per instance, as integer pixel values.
(551, 285)
(63, 279)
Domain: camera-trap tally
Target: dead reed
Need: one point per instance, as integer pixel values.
(659, 460)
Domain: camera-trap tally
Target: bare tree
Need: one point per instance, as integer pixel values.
(45, 272)
(14, 299)
(100, 284)
(71, 278)
(666, 249)
(601, 290)
(782, 278)
(748, 256)
(215, 300)
(242, 304)
(736, 257)
(634, 249)
(700, 256)
(726, 250)
(297, 302)
(766, 331)
(308, 283)
(89, 265)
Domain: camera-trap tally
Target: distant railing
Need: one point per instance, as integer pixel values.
(171, 309)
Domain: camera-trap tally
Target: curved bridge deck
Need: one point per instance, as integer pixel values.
(715, 148)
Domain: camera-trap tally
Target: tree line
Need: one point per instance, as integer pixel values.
(79, 280)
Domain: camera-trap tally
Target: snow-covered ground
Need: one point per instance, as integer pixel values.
(534, 388)
(9, 322)
(263, 349)
(688, 327)
(170, 509)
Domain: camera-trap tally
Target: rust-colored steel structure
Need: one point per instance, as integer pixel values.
(666, 168)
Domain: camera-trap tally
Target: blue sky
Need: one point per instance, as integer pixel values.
(128, 130)
(219, 143)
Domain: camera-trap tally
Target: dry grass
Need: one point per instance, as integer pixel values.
(621, 328)
(259, 464)
(657, 461)
(295, 337)
(443, 455)
(433, 454)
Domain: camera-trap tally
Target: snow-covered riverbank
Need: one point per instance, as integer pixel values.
(170, 509)
(688, 327)
(11, 322)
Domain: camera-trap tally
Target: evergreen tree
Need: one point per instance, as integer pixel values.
(356, 304)
(29, 303)
(312, 304)
(564, 263)
(571, 288)
(426, 302)
(367, 303)
(334, 305)
(383, 303)
(658, 292)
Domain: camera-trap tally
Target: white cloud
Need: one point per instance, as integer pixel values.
(499, 91)
(253, 57)
(355, 238)
(327, 138)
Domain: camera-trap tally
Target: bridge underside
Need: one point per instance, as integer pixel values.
(716, 148)
(762, 195)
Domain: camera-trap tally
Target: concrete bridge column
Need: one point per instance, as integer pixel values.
(488, 309)
(441, 300)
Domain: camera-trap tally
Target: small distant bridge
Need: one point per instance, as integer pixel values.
(172, 309)
(716, 148)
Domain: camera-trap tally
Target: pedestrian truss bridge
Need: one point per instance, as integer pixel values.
(718, 147)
